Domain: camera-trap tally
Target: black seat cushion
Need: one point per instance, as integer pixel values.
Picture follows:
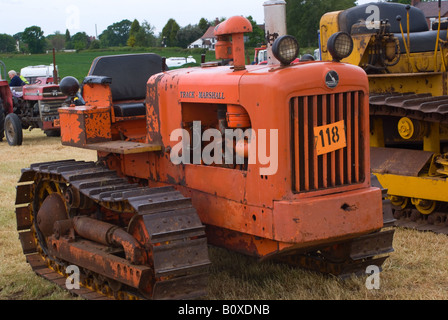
(421, 41)
(388, 11)
(129, 73)
(129, 109)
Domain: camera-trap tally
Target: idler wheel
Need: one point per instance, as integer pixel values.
(53, 209)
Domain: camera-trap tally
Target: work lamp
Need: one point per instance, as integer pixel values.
(285, 49)
(340, 46)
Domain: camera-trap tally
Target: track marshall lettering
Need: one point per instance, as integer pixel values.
(202, 95)
(244, 309)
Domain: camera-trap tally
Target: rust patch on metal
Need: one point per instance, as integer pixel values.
(153, 110)
(398, 161)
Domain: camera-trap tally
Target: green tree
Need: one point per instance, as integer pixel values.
(116, 34)
(256, 37)
(303, 17)
(169, 33)
(56, 40)
(7, 43)
(67, 35)
(34, 38)
(18, 38)
(145, 35)
(68, 40)
(204, 25)
(80, 41)
(187, 35)
(95, 44)
(131, 41)
(135, 29)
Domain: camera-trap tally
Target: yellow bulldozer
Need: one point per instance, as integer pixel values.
(406, 59)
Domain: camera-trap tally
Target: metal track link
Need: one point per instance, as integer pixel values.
(414, 106)
(179, 247)
(346, 259)
(408, 218)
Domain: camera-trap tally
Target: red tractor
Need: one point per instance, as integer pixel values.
(28, 107)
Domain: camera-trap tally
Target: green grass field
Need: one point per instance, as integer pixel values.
(78, 64)
(417, 270)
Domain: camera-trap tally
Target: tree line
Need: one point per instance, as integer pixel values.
(303, 18)
(119, 34)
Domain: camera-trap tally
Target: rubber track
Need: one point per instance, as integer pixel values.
(181, 253)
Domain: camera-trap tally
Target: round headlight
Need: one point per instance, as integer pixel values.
(340, 45)
(285, 49)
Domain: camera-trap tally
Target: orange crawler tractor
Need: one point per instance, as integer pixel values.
(270, 161)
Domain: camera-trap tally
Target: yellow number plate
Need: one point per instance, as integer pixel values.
(330, 137)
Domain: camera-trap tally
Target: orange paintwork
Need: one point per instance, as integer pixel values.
(233, 25)
(84, 254)
(236, 27)
(237, 117)
(245, 202)
(84, 125)
(96, 122)
(253, 212)
(98, 95)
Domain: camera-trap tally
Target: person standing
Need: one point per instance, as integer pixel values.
(16, 81)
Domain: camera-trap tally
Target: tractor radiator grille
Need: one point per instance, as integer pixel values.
(312, 172)
(49, 109)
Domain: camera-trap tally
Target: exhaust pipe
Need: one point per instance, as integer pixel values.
(109, 234)
(275, 25)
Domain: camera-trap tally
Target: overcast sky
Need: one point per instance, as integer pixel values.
(85, 15)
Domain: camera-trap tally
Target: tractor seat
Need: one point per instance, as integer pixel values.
(129, 74)
(388, 11)
(421, 41)
(129, 109)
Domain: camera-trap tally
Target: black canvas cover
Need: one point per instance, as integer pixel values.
(421, 41)
(388, 11)
(129, 73)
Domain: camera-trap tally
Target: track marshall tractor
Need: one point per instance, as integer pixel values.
(270, 161)
(406, 63)
(31, 106)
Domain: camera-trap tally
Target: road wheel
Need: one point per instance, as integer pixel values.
(13, 130)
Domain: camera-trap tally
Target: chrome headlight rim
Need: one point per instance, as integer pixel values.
(286, 49)
(340, 45)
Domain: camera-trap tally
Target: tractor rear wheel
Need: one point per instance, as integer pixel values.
(13, 130)
(2, 121)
